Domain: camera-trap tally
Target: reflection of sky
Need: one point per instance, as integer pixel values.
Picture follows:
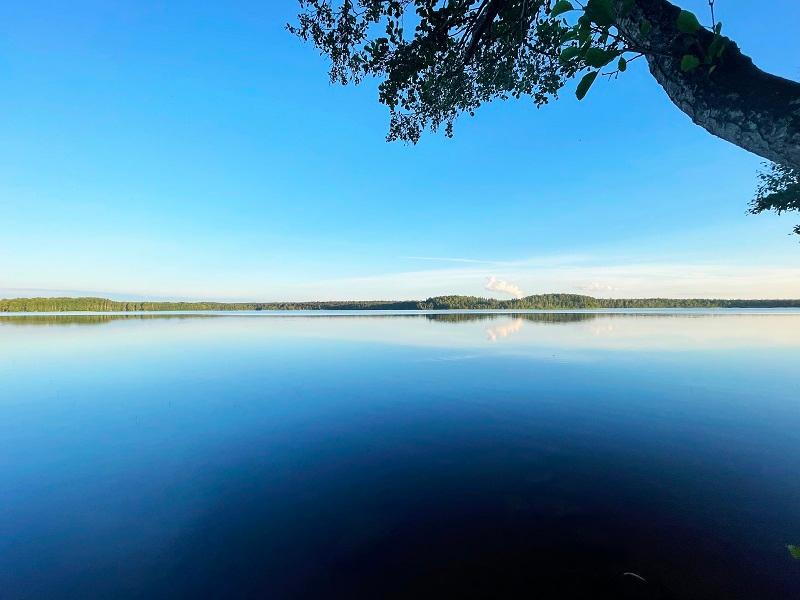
(667, 332)
(215, 450)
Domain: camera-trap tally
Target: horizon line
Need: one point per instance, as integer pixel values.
(501, 299)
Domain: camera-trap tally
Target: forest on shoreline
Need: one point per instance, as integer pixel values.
(535, 302)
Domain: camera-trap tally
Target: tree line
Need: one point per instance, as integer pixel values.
(535, 302)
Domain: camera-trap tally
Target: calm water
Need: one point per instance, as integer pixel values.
(530, 456)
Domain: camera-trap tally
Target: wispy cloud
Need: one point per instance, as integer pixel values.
(498, 285)
(533, 261)
(452, 259)
(598, 275)
(597, 287)
(622, 280)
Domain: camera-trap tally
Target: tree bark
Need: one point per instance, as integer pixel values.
(738, 102)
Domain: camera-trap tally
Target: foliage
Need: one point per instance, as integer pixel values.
(577, 302)
(458, 56)
(438, 59)
(794, 551)
(105, 305)
(539, 302)
(778, 190)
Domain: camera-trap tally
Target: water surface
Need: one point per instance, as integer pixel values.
(531, 455)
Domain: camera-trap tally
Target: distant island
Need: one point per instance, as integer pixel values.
(535, 302)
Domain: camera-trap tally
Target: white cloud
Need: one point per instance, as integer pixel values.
(596, 287)
(498, 285)
(452, 259)
(635, 280)
(595, 275)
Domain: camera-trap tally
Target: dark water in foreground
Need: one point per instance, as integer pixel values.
(523, 456)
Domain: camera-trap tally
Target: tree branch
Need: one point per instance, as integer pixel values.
(738, 102)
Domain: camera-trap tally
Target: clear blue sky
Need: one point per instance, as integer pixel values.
(197, 150)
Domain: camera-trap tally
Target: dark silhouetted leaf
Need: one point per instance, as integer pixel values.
(626, 7)
(600, 12)
(561, 7)
(567, 54)
(597, 57)
(687, 22)
(585, 84)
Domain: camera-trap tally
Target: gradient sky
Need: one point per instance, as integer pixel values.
(197, 150)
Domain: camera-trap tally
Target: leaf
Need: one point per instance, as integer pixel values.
(718, 28)
(567, 54)
(645, 27)
(689, 62)
(687, 22)
(561, 7)
(597, 57)
(794, 551)
(626, 7)
(717, 47)
(584, 29)
(600, 12)
(585, 84)
(622, 65)
(570, 34)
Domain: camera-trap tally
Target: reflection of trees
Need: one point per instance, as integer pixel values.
(78, 319)
(85, 319)
(449, 318)
(533, 317)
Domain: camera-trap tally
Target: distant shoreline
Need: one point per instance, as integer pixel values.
(535, 302)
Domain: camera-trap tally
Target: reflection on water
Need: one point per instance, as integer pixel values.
(541, 317)
(504, 330)
(90, 319)
(667, 331)
(424, 455)
(94, 318)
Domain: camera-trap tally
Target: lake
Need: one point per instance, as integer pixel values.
(652, 454)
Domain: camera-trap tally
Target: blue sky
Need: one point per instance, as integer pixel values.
(197, 150)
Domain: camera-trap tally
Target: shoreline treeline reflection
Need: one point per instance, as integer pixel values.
(535, 302)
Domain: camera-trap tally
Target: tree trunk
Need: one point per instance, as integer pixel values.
(738, 102)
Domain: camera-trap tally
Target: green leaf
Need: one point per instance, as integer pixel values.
(794, 551)
(717, 47)
(567, 54)
(569, 34)
(687, 22)
(622, 65)
(626, 7)
(597, 57)
(718, 28)
(561, 7)
(689, 62)
(600, 12)
(585, 84)
(584, 29)
(645, 27)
